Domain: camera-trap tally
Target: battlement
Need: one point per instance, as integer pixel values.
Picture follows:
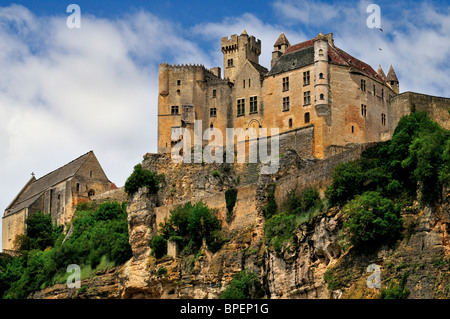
(189, 68)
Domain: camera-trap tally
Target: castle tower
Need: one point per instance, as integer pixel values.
(321, 81)
(237, 50)
(392, 80)
(279, 48)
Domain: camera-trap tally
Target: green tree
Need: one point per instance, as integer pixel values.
(142, 178)
(244, 285)
(371, 220)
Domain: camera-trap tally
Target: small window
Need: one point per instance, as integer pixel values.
(321, 76)
(253, 104)
(353, 129)
(78, 188)
(240, 107)
(174, 110)
(90, 174)
(364, 110)
(306, 78)
(213, 112)
(307, 118)
(363, 85)
(374, 90)
(383, 119)
(178, 82)
(214, 93)
(307, 98)
(320, 52)
(91, 193)
(230, 63)
(243, 84)
(382, 93)
(211, 126)
(286, 103)
(285, 84)
(321, 97)
(290, 123)
(249, 82)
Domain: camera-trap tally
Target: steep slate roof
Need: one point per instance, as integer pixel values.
(304, 54)
(262, 70)
(293, 60)
(39, 186)
(391, 76)
(282, 40)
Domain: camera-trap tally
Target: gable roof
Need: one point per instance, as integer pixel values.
(28, 195)
(303, 52)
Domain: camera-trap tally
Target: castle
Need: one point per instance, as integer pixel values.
(314, 92)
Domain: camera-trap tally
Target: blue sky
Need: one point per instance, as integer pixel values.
(66, 91)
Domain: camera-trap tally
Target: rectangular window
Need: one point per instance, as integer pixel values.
(249, 82)
(253, 104)
(243, 84)
(382, 93)
(307, 118)
(374, 90)
(178, 82)
(383, 119)
(230, 63)
(174, 109)
(286, 103)
(214, 93)
(78, 187)
(364, 110)
(307, 98)
(240, 107)
(363, 85)
(285, 84)
(306, 78)
(213, 112)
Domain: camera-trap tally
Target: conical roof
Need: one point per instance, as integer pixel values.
(391, 76)
(282, 40)
(381, 73)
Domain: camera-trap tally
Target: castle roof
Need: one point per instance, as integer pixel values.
(381, 73)
(306, 57)
(36, 187)
(282, 40)
(391, 76)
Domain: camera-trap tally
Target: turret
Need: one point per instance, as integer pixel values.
(392, 80)
(279, 48)
(381, 74)
(237, 50)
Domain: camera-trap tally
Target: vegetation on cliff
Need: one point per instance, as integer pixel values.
(99, 238)
(141, 177)
(188, 225)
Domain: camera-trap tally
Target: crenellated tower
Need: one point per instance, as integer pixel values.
(236, 50)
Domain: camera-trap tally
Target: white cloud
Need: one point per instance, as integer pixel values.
(66, 91)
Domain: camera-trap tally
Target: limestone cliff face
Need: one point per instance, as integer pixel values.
(419, 261)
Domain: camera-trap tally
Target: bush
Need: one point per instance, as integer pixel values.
(230, 200)
(244, 285)
(371, 220)
(189, 224)
(142, 178)
(279, 229)
(158, 245)
(270, 208)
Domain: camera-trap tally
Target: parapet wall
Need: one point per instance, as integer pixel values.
(436, 108)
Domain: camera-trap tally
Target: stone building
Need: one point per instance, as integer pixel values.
(56, 193)
(313, 86)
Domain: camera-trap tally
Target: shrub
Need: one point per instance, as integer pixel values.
(279, 229)
(371, 220)
(244, 285)
(158, 245)
(270, 208)
(230, 200)
(142, 178)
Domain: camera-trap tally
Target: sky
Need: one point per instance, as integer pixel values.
(65, 91)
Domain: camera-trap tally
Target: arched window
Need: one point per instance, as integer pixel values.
(321, 96)
(91, 193)
(320, 52)
(321, 76)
